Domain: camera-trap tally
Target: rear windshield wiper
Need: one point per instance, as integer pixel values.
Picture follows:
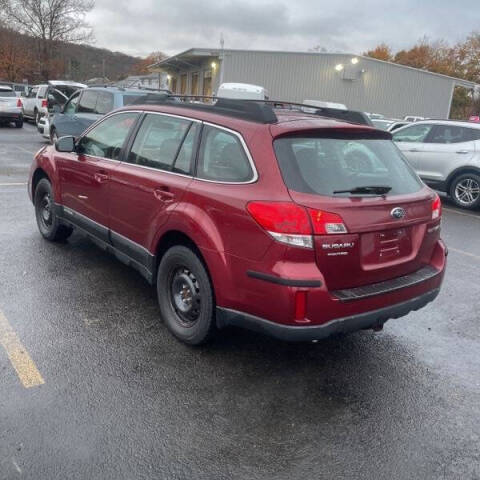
(369, 189)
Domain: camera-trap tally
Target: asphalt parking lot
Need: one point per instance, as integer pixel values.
(113, 395)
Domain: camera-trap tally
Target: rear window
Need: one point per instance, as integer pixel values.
(7, 93)
(325, 165)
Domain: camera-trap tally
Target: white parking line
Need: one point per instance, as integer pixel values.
(463, 252)
(462, 213)
(18, 184)
(25, 150)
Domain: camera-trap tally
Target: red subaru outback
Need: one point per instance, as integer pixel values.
(242, 213)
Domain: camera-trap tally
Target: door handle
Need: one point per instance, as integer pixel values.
(101, 177)
(462, 151)
(414, 150)
(164, 194)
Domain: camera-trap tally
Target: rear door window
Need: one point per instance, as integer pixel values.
(474, 133)
(222, 157)
(325, 165)
(158, 141)
(448, 134)
(88, 101)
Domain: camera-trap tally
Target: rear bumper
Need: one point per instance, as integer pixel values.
(10, 116)
(375, 318)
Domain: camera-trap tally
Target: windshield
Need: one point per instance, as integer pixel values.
(326, 165)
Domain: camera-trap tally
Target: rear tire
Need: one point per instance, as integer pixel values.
(185, 296)
(465, 191)
(19, 123)
(36, 117)
(47, 220)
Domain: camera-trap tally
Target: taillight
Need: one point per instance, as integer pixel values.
(285, 222)
(436, 207)
(292, 224)
(44, 103)
(19, 103)
(326, 222)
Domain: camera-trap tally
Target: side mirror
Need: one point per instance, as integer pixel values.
(65, 144)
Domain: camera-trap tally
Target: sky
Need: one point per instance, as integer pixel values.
(353, 26)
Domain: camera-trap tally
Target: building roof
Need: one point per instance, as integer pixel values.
(194, 56)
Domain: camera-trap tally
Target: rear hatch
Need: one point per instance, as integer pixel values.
(387, 227)
(8, 101)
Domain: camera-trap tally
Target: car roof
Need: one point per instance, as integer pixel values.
(287, 121)
(457, 123)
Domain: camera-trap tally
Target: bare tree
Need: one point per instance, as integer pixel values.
(50, 22)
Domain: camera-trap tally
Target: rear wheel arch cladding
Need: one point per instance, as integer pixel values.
(173, 238)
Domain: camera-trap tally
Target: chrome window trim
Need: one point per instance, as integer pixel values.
(247, 153)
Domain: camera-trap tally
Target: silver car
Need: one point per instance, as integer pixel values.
(446, 155)
(10, 107)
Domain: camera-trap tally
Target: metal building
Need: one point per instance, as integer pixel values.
(361, 83)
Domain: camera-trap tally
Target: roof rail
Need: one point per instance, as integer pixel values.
(260, 111)
(252, 110)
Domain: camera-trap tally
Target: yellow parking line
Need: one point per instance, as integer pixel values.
(18, 355)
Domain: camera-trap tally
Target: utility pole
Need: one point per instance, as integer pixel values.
(221, 58)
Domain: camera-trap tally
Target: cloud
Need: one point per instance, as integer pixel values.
(354, 26)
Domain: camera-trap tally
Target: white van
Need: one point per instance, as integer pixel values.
(321, 104)
(243, 91)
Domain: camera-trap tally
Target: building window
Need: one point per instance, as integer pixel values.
(207, 83)
(195, 83)
(173, 87)
(183, 84)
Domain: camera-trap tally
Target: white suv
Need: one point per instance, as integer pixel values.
(446, 155)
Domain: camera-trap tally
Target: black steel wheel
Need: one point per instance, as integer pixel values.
(185, 296)
(47, 220)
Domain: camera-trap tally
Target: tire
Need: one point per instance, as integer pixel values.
(36, 117)
(185, 296)
(48, 223)
(465, 191)
(53, 136)
(19, 123)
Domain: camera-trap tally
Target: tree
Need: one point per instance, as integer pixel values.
(141, 67)
(382, 52)
(468, 56)
(16, 60)
(49, 22)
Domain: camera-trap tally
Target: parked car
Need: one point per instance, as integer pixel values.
(246, 215)
(396, 125)
(85, 107)
(382, 123)
(10, 107)
(446, 155)
(413, 118)
(41, 98)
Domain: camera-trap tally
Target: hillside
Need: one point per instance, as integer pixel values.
(19, 60)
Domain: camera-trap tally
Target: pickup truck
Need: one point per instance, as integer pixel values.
(10, 107)
(41, 98)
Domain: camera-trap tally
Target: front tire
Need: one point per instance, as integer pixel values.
(465, 191)
(185, 296)
(53, 136)
(48, 222)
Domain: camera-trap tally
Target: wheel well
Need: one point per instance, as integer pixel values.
(174, 238)
(459, 172)
(37, 176)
